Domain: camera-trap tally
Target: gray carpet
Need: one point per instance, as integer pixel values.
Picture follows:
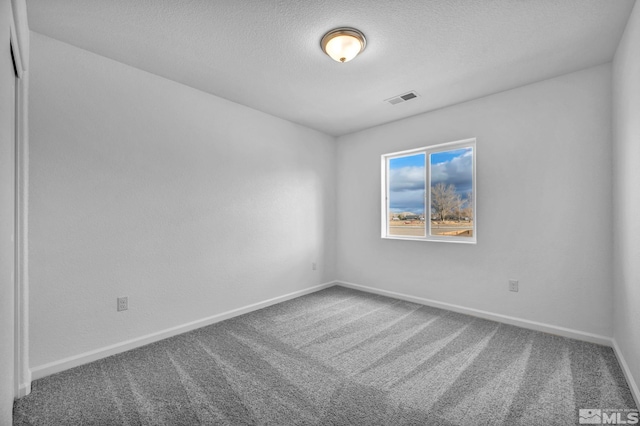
(338, 357)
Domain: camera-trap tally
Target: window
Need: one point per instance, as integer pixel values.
(445, 212)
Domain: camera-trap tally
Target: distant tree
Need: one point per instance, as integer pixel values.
(401, 216)
(468, 209)
(459, 205)
(444, 200)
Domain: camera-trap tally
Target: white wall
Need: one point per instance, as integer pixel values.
(626, 184)
(7, 206)
(188, 204)
(543, 200)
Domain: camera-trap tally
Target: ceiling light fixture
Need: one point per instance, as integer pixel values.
(343, 44)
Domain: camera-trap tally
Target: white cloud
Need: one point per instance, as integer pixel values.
(403, 201)
(457, 171)
(406, 179)
(406, 185)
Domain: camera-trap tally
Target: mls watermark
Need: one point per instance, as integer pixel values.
(601, 416)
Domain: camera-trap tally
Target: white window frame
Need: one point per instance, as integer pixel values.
(427, 150)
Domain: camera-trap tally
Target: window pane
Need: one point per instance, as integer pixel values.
(406, 196)
(452, 193)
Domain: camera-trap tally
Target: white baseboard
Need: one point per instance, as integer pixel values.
(24, 389)
(633, 386)
(23, 385)
(532, 325)
(84, 358)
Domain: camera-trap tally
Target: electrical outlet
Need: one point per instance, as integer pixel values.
(513, 285)
(314, 266)
(123, 303)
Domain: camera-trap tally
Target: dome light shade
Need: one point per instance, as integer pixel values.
(343, 44)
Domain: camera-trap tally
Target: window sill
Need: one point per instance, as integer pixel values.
(429, 240)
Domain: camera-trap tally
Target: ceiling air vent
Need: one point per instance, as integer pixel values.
(402, 98)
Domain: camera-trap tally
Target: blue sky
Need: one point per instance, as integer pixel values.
(407, 177)
(444, 156)
(408, 161)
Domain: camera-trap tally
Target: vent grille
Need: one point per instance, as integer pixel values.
(402, 98)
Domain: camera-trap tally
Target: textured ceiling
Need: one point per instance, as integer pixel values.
(265, 53)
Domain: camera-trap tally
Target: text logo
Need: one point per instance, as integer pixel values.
(599, 416)
(590, 416)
